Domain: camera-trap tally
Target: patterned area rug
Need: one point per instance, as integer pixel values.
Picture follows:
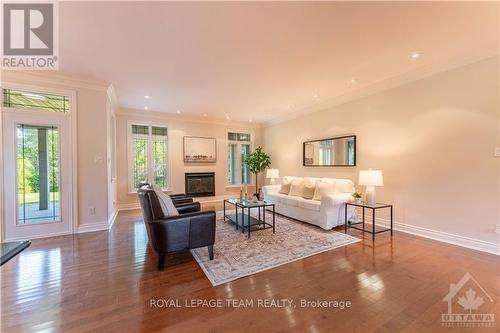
(236, 256)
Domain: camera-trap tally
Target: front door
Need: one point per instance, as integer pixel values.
(37, 174)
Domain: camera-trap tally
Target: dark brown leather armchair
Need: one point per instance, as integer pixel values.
(172, 234)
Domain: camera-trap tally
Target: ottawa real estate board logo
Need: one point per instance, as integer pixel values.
(30, 35)
(465, 299)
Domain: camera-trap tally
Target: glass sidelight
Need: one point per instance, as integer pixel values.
(38, 186)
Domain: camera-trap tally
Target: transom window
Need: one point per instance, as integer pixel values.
(19, 99)
(239, 145)
(148, 149)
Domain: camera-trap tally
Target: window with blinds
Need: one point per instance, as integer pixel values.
(148, 146)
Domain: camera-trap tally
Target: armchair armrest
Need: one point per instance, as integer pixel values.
(187, 207)
(178, 196)
(182, 232)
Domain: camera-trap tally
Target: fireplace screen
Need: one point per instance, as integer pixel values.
(200, 184)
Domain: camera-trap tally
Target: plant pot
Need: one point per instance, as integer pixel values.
(358, 200)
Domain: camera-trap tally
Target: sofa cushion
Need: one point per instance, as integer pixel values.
(324, 188)
(309, 188)
(310, 204)
(167, 206)
(286, 184)
(290, 200)
(297, 187)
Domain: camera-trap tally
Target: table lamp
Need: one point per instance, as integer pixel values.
(370, 178)
(272, 174)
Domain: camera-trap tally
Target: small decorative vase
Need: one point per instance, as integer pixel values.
(358, 200)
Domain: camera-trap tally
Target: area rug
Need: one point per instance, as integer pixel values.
(236, 255)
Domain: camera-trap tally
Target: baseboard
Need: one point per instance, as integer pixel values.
(57, 234)
(89, 227)
(128, 206)
(112, 218)
(471, 243)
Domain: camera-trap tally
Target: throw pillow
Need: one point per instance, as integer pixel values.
(286, 185)
(309, 189)
(167, 206)
(322, 189)
(297, 187)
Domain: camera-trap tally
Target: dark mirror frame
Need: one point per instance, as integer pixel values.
(333, 138)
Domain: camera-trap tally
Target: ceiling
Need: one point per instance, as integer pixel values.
(257, 61)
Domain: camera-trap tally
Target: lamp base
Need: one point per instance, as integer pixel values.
(370, 195)
(272, 181)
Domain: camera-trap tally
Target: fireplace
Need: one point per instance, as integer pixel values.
(200, 184)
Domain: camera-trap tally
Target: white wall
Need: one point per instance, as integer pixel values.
(178, 127)
(432, 138)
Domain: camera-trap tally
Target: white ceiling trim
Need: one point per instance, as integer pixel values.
(51, 78)
(155, 115)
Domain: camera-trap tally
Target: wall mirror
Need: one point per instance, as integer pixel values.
(339, 151)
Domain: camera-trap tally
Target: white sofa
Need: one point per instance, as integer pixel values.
(328, 212)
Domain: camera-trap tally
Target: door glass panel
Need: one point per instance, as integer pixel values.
(29, 100)
(245, 171)
(231, 163)
(37, 150)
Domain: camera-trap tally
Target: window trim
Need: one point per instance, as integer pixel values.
(227, 141)
(130, 166)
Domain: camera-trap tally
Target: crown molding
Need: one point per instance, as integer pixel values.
(52, 78)
(380, 86)
(163, 116)
(111, 92)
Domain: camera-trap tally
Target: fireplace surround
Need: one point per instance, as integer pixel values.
(200, 184)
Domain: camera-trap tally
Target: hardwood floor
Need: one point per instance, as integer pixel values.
(104, 282)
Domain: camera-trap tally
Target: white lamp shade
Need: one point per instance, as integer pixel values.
(272, 173)
(371, 178)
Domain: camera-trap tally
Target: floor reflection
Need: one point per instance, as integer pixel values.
(38, 270)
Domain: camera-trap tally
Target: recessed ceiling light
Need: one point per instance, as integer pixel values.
(146, 96)
(204, 115)
(227, 117)
(315, 96)
(178, 112)
(145, 108)
(415, 55)
(288, 107)
(250, 120)
(353, 80)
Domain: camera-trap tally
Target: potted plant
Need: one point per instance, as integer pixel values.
(358, 197)
(257, 161)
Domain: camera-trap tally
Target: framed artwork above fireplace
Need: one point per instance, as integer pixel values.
(200, 150)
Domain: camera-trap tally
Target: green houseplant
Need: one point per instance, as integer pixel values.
(257, 161)
(358, 197)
